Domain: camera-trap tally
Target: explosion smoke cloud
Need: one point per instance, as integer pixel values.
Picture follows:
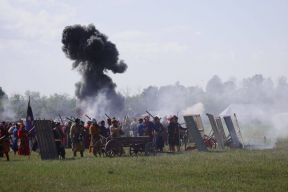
(93, 55)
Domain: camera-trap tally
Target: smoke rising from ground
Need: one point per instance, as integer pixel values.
(93, 55)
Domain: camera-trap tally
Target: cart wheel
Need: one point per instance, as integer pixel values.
(98, 149)
(112, 148)
(209, 143)
(213, 143)
(135, 150)
(150, 149)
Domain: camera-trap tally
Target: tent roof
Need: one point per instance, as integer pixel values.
(242, 109)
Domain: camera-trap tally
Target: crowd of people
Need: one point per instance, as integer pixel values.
(79, 137)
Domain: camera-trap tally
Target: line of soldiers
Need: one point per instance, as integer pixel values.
(79, 137)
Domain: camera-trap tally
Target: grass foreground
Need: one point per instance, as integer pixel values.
(228, 170)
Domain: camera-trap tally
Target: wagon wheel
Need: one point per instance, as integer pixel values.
(209, 143)
(150, 149)
(113, 147)
(135, 150)
(213, 143)
(98, 149)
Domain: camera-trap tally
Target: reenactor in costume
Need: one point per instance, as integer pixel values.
(58, 137)
(15, 135)
(4, 142)
(109, 123)
(76, 135)
(103, 130)
(164, 122)
(140, 131)
(174, 134)
(149, 128)
(158, 134)
(133, 127)
(126, 127)
(67, 132)
(115, 129)
(94, 131)
(87, 136)
(23, 142)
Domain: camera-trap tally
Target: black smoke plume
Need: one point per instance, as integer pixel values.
(94, 55)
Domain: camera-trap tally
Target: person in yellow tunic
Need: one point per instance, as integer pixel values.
(94, 131)
(115, 130)
(77, 133)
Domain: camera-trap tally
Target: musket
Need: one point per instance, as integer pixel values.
(61, 119)
(73, 117)
(70, 119)
(107, 116)
(87, 116)
(149, 114)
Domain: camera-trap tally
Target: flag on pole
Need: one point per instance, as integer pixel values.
(30, 120)
(29, 126)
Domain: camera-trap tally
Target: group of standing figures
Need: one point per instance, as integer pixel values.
(20, 144)
(79, 136)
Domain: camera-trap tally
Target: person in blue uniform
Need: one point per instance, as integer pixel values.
(140, 128)
(158, 134)
(103, 129)
(15, 134)
(149, 128)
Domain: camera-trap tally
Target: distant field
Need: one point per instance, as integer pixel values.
(228, 170)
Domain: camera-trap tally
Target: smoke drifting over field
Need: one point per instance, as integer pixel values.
(94, 55)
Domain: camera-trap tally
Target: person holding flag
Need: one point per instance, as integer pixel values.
(29, 126)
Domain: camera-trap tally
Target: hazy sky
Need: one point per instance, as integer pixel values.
(161, 41)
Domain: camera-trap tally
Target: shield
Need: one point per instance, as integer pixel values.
(45, 138)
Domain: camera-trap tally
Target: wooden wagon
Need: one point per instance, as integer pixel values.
(112, 147)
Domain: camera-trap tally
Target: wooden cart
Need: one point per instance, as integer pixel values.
(112, 147)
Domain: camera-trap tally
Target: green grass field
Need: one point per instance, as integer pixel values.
(228, 170)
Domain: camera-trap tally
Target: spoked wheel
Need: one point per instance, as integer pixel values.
(113, 148)
(210, 143)
(98, 149)
(150, 149)
(135, 150)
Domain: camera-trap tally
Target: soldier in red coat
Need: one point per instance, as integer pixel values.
(23, 146)
(87, 136)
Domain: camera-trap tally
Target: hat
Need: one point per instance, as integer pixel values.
(140, 119)
(146, 117)
(88, 122)
(169, 118)
(155, 118)
(113, 120)
(22, 125)
(175, 117)
(77, 119)
(94, 121)
(102, 121)
(108, 120)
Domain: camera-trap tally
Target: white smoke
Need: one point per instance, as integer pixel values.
(194, 109)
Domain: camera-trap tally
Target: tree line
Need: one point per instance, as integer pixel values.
(215, 98)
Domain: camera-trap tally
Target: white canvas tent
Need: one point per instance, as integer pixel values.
(242, 110)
